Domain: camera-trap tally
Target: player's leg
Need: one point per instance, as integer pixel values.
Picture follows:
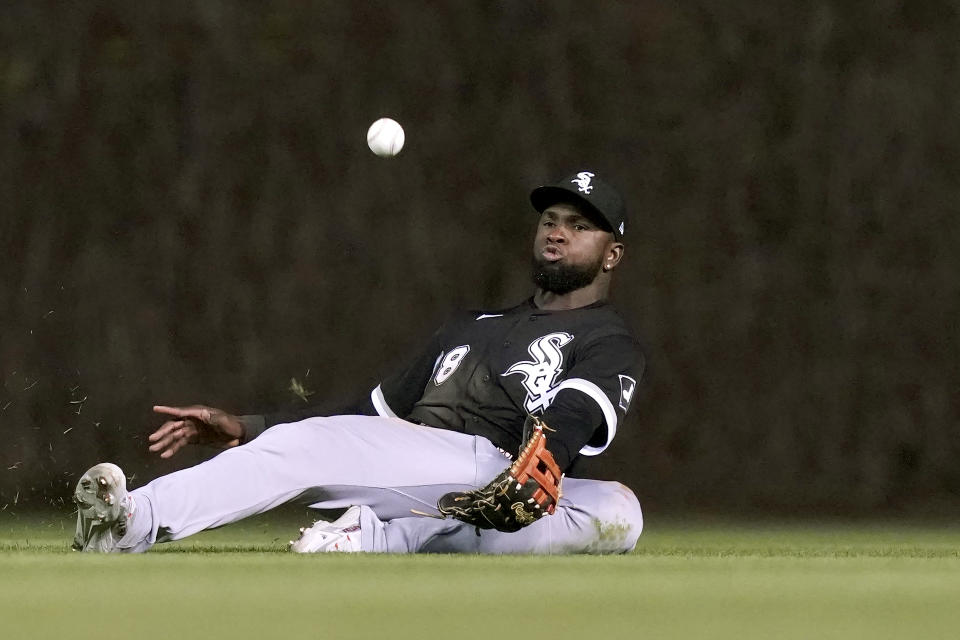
(388, 462)
(592, 517)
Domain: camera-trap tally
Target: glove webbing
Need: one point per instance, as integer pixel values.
(545, 472)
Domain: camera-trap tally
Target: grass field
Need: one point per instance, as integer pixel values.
(683, 581)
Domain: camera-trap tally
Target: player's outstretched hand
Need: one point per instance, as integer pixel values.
(194, 425)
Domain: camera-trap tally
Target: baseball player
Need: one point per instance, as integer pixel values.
(463, 450)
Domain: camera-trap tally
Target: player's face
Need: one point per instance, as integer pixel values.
(569, 249)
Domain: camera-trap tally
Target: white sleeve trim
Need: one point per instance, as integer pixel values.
(609, 413)
(380, 404)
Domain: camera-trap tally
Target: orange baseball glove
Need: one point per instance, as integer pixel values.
(523, 493)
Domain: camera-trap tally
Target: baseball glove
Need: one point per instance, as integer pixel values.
(523, 493)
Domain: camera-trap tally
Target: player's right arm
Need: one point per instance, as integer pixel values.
(198, 424)
(393, 397)
(397, 394)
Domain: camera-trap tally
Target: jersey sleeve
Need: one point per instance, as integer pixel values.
(396, 394)
(393, 397)
(591, 402)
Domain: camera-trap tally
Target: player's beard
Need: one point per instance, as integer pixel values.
(561, 278)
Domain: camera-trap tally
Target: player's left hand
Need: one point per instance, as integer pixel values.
(522, 494)
(196, 424)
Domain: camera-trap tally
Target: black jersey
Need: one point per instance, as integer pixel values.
(482, 373)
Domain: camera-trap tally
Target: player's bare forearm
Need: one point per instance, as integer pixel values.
(195, 424)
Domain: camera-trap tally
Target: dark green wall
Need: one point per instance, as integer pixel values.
(190, 214)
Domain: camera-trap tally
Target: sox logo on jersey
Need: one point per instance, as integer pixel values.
(540, 374)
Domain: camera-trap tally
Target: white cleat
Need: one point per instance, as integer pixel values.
(103, 508)
(342, 535)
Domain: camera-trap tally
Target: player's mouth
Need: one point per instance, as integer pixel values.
(551, 253)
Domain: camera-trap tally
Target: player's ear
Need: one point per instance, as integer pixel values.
(612, 255)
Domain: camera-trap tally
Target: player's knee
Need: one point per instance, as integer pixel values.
(619, 520)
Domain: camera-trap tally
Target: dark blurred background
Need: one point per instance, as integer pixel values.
(190, 214)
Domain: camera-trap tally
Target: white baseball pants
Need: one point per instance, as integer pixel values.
(389, 466)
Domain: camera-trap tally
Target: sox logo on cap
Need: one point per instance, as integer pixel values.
(583, 181)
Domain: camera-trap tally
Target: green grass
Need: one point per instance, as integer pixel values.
(683, 581)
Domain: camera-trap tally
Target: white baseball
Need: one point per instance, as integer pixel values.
(385, 137)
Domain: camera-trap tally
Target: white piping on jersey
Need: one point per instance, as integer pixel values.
(578, 384)
(380, 404)
(609, 413)
(488, 315)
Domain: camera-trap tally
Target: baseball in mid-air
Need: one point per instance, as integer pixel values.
(385, 137)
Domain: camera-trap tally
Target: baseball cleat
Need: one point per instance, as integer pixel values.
(342, 535)
(103, 508)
